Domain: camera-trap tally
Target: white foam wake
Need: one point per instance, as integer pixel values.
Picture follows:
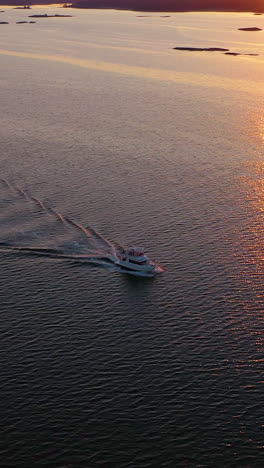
(25, 229)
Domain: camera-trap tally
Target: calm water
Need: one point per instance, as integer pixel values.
(103, 122)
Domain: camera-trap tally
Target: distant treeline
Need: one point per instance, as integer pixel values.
(158, 5)
(174, 5)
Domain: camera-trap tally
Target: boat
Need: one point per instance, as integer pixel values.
(134, 262)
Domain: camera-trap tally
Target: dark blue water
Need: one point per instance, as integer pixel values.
(103, 369)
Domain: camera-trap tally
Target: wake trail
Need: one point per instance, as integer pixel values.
(58, 215)
(52, 239)
(77, 225)
(98, 236)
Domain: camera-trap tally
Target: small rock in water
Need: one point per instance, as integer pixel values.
(232, 53)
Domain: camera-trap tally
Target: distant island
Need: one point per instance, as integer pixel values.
(50, 16)
(202, 49)
(210, 49)
(254, 6)
(249, 29)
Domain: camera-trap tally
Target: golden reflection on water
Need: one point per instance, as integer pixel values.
(251, 236)
(260, 128)
(191, 78)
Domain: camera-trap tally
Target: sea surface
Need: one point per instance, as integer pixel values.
(109, 138)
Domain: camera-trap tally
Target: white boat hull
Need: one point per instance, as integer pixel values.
(143, 274)
(133, 261)
(148, 271)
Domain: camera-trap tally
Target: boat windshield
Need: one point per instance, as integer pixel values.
(135, 252)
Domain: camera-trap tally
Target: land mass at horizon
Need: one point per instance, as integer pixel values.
(158, 5)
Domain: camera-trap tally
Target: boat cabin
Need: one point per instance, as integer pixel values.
(135, 252)
(135, 255)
